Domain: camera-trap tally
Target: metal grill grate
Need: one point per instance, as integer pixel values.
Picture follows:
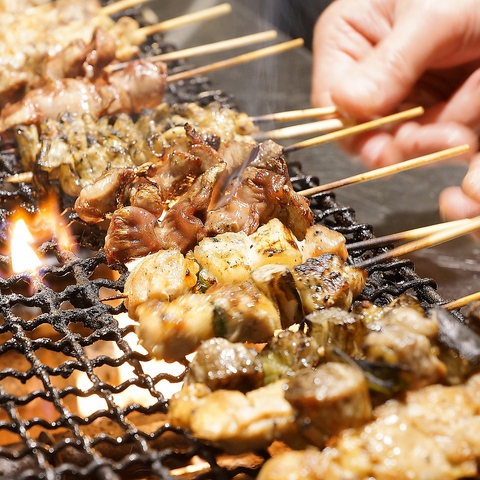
(55, 330)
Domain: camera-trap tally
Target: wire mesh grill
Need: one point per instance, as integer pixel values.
(65, 411)
(61, 406)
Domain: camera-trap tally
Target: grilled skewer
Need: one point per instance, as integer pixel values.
(117, 92)
(71, 42)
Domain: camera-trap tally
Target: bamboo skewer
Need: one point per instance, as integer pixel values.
(389, 170)
(362, 127)
(229, 62)
(425, 242)
(205, 49)
(296, 114)
(461, 302)
(187, 19)
(119, 6)
(405, 235)
(296, 131)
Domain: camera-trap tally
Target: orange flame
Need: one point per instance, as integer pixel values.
(31, 232)
(23, 255)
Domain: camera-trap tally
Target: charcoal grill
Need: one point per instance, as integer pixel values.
(52, 324)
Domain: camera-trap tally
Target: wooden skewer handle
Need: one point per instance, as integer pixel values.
(303, 129)
(246, 57)
(406, 235)
(187, 19)
(389, 170)
(361, 127)
(426, 242)
(119, 6)
(204, 49)
(461, 302)
(295, 114)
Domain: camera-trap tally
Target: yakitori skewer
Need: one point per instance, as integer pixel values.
(360, 128)
(462, 302)
(202, 15)
(205, 49)
(120, 6)
(405, 235)
(431, 240)
(289, 115)
(230, 62)
(304, 129)
(389, 170)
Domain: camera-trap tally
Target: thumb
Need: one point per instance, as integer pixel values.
(384, 77)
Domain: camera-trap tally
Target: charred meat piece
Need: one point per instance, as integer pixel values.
(150, 186)
(169, 330)
(327, 281)
(329, 399)
(182, 226)
(220, 364)
(79, 59)
(131, 234)
(259, 192)
(288, 353)
(335, 328)
(243, 313)
(402, 335)
(104, 196)
(163, 276)
(277, 282)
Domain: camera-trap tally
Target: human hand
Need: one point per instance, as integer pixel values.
(373, 57)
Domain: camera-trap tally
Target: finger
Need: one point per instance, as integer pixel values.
(409, 140)
(471, 182)
(462, 107)
(344, 33)
(455, 205)
(385, 76)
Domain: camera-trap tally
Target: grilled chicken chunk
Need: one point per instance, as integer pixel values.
(431, 434)
(229, 293)
(326, 281)
(235, 421)
(220, 364)
(291, 411)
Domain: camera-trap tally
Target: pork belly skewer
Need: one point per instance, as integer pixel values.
(140, 85)
(79, 48)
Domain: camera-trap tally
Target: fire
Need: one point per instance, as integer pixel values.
(23, 255)
(31, 232)
(27, 235)
(125, 372)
